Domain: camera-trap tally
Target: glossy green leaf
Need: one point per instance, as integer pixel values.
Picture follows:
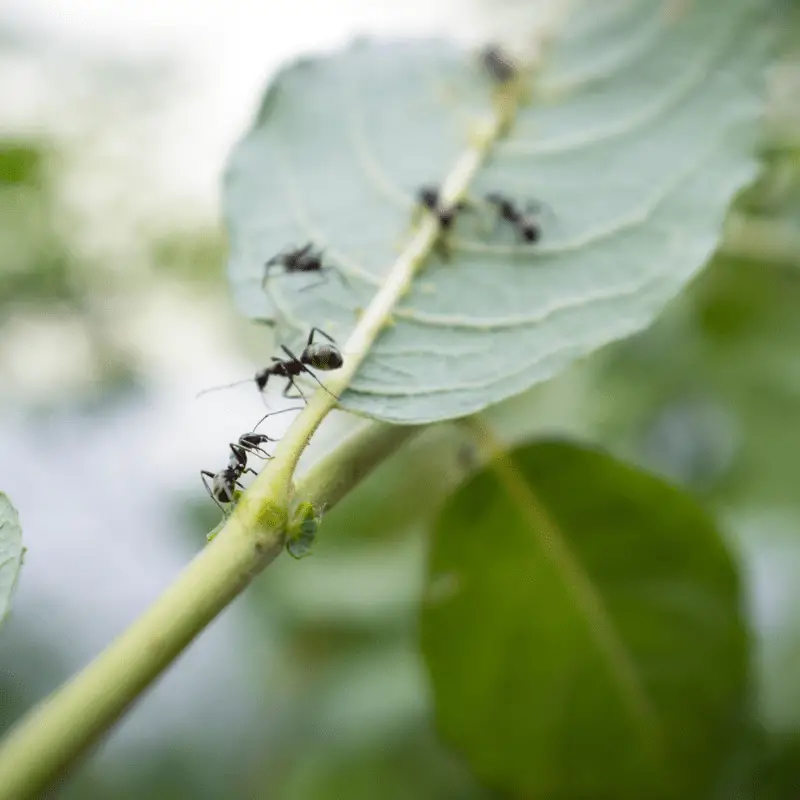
(11, 552)
(582, 629)
(638, 131)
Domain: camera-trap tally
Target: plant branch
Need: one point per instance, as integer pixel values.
(55, 734)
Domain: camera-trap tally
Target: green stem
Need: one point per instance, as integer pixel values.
(56, 733)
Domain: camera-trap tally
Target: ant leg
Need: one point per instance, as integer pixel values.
(204, 475)
(278, 257)
(289, 385)
(304, 368)
(323, 279)
(342, 275)
(322, 385)
(306, 249)
(257, 449)
(311, 338)
(239, 454)
(267, 268)
(292, 357)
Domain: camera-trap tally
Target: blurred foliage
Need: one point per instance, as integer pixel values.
(583, 643)
(37, 264)
(190, 256)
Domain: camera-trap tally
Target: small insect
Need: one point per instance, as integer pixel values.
(249, 443)
(224, 483)
(524, 222)
(297, 260)
(319, 355)
(499, 66)
(428, 197)
(302, 530)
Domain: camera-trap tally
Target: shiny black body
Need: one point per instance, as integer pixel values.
(322, 356)
(297, 260)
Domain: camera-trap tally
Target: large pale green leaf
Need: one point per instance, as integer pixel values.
(583, 631)
(638, 132)
(11, 551)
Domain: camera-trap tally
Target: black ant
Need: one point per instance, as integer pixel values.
(428, 197)
(297, 260)
(325, 356)
(499, 66)
(527, 226)
(225, 482)
(249, 443)
(322, 356)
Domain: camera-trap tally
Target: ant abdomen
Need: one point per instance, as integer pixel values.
(498, 64)
(323, 356)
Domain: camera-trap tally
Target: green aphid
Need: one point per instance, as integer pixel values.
(302, 530)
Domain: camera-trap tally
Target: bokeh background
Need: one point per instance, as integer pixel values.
(115, 124)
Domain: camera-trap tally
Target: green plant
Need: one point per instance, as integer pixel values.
(582, 621)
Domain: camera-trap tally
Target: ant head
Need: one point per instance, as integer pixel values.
(322, 355)
(531, 232)
(256, 438)
(428, 196)
(446, 217)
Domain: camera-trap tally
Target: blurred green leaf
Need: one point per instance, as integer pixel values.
(707, 395)
(582, 629)
(640, 133)
(402, 492)
(777, 777)
(414, 769)
(370, 586)
(11, 553)
(21, 162)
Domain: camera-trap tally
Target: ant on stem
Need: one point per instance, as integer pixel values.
(319, 355)
(224, 483)
(428, 197)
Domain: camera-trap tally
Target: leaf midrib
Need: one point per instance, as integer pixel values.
(589, 603)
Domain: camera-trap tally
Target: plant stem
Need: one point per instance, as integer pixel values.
(56, 733)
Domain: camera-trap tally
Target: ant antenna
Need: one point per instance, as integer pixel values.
(322, 385)
(225, 386)
(272, 413)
